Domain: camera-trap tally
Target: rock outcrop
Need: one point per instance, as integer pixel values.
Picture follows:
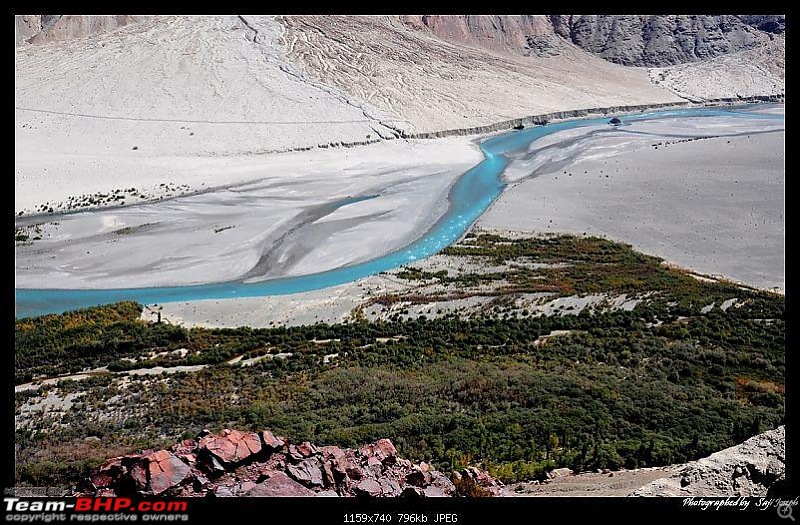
(659, 40)
(767, 23)
(521, 34)
(756, 468)
(235, 463)
(637, 40)
(38, 29)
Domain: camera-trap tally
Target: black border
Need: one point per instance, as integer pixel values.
(522, 510)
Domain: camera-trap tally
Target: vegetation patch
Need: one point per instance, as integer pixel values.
(662, 383)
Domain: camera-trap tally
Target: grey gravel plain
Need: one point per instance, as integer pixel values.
(714, 205)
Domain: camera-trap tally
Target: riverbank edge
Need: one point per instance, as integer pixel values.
(505, 125)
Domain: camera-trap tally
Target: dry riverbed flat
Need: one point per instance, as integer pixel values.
(302, 208)
(714, 205)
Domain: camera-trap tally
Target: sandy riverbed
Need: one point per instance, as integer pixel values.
(714, 205)
(288, 214)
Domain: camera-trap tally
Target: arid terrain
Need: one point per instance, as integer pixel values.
(470, 255)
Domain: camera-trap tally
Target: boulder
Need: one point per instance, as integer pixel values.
(279, 485)
(418, 478)
(232, 446)
(294, 453)
(368, 487)
(559, 473)
(164, 470)
(383, 450)
(306, 472)
(138, 474)
(306, 449)
(271, 441)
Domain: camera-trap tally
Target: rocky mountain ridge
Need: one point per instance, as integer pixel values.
(260, 464)
(39, 29)
(631, 40)
(638, 40)
(658, 40)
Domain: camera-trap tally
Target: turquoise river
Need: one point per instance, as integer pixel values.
(469, 197)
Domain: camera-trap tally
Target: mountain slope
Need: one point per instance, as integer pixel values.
(754, 72)
(38, 29)
(427, 83)
(658, 40)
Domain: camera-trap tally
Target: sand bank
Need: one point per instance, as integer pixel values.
(290, 214)
(714, 205)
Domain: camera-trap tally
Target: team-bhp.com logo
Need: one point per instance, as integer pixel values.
(93, 509)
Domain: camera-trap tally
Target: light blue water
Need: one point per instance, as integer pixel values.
(470, 196)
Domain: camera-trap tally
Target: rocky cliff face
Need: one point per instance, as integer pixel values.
(523, 34)
(234, 463)
(639, 40)
(657, 40)
(653, 40)
(767, 23)
(38, 29)
(756, 468)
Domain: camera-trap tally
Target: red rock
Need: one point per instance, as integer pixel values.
(139, 476)
(224, 491)
(296, 470)
(386, 447)
(368, 487)
(294, 453)
(434, 492)
(185, 447)
(418, 478)
(280, 485)
(353, 472)
(327, 473)
(390, 488)
(383, 450)
(200, 481)
(306, 472)
(331, 451)
(481, 478)
(165, 470)
(337, 459)
(216, 466)
(271, 441)
(105, 493)
(112, 464)
(101, 479)
(231, 446)
(188, 458)
(245, 487)
(306, 449)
